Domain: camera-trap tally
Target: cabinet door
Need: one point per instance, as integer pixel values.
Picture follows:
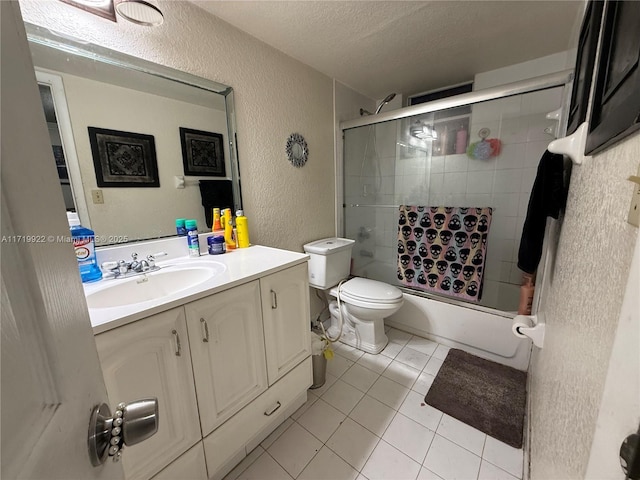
(227, 347)
(150, 358)
(285, 310)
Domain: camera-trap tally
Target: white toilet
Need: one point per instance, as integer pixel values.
(364, 303)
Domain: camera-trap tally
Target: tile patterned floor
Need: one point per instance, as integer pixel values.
(369, 422)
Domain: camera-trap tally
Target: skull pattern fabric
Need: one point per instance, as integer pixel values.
(448, 247)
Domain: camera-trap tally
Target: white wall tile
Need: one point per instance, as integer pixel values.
(456, 163)
(437, 164)
(455, 183)
(480, 182)
(512, 156)
(528, 177)
(507, 181)
(506, 204)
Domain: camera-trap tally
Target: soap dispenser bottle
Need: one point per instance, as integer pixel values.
(85, 248)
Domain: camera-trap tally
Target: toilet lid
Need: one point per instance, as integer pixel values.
(370, 291)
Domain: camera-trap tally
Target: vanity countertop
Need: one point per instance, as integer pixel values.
(242, 265)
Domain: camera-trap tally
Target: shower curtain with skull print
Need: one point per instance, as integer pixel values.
(443, 249)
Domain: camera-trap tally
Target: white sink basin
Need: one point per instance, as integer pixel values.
(153, 286)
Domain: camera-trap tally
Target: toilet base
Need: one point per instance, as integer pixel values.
(365, 336)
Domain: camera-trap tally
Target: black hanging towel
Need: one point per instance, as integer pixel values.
(548, 197)
(215, 193)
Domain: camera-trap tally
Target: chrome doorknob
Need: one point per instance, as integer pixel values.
(130, 424)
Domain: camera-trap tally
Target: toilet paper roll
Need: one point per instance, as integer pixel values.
(521, 321)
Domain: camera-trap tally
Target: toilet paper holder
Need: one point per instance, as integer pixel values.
(530, 326)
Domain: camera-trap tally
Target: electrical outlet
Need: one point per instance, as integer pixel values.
(634, 210)
(97, 196)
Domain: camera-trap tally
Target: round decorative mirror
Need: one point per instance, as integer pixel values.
(297, 150)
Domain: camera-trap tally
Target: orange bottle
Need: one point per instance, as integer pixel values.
(527, 289)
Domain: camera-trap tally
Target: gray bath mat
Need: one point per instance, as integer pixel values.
(486, 395)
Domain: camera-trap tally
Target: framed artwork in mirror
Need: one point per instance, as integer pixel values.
(202, 153)
(615, 113)
(585, 61)
(123, 159)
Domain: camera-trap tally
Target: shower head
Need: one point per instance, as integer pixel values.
(386, 100)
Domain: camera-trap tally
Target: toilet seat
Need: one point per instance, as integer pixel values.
(363, 292)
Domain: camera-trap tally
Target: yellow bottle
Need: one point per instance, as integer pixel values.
(228, 230)
(242, 230)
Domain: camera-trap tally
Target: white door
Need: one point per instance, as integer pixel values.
(51, 377)
(619, 413)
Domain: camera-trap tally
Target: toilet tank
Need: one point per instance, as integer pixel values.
(329, 262)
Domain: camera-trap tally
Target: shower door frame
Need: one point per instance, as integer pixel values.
(563, 79)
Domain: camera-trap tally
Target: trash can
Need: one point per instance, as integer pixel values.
(318, 361)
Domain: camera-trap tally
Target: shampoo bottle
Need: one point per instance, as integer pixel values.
(242, 230)
(216, 220)
(85, 248)
(228, 230)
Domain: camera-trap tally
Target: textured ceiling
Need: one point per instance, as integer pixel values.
(377, 47)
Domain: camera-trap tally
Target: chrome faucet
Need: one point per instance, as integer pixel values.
(122, 269)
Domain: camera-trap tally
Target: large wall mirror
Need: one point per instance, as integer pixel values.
(115, 120)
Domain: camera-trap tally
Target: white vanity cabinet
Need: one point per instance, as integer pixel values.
(227, 348)
(151, 358)
(285, 307)
(227, 369)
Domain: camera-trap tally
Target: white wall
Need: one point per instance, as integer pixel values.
(275, 96)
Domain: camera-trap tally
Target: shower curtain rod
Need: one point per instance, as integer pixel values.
(524, 86)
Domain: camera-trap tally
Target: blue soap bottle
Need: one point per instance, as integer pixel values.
(85, 248)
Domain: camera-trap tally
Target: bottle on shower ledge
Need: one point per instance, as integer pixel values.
(527, 289)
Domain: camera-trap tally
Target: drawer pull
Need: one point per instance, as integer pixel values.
(274, 300)
(178, 348)
(268, 413)
(206, 330)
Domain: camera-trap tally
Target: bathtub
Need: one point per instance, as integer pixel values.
(478, 330)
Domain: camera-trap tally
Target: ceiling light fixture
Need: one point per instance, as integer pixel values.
(140, 12)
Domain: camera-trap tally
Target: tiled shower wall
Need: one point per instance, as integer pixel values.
(396, 172)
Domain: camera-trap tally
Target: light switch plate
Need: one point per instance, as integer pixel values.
(634, 210)
(97, 196)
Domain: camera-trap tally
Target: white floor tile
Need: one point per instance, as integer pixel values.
(503, 456)
(265, 468)
(338, 365)
(342, 396)
(375, 416)
(360, 377)
(441, 352)
(416, 409)
(376, 363)
(329, 380)
(433, 366)
(392, 350)
(267, 442)
(464, 435)
(422, 345)
(409, 437)
(327, 465)
(311, 399)
(426, 474)
(294, 449)
(244, 464)
(423, 383)
(489, 471)
(451, 461)
(321, 420)
(401, 373)
(398, 336)
(412, 357)
(353, 443)
(347, 351)
(388, 392)
(387, 463)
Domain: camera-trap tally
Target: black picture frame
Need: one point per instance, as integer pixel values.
(585, 62)
(123, 159)
(202, 153)
(615, 111)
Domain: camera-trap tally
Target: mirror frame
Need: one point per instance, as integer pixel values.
(51, 39)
